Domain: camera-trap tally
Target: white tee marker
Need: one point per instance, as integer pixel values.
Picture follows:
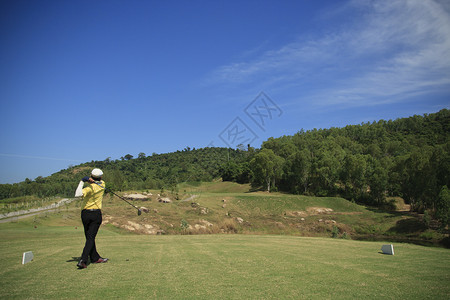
(388, 249)
(27, 257)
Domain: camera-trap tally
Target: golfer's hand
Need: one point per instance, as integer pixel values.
(91, 180)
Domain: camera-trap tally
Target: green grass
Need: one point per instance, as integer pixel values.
(213, 266)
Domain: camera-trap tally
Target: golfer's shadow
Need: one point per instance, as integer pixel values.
(74, 258)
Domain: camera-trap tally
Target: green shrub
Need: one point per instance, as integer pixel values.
(335, 232)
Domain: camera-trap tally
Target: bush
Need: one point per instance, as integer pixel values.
(335, 232)
(427, 218)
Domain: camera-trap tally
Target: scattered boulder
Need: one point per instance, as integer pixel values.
(223, 206)
(296, 213)
(136, 197)
(310, 211)
(198, 226)
(145, 209)
(318, 210)
(330, 222)
(203, 211)
(206, 223)
(195, 204)
(224, 200)
(164, 200)
(240, 220)
(155, 210)
(279, 224)
(135, 225)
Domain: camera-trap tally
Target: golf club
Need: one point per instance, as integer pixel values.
(139, 211)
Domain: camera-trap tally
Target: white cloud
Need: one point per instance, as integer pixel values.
(387, 52)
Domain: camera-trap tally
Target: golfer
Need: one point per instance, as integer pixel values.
(91, 215)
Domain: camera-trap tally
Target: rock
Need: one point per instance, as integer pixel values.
(155, 210)
(130, 228)
(302, 219)
(195, 204)
(164, 200)
(206, 223)
(320, 220)
(204, 211)
(296, 213)
(145, 209)
(330, 222)
(223, 200)
(279, 225)
(136, 197)
(240, 220)
(223, 206)
(318, 210)
(135, 225)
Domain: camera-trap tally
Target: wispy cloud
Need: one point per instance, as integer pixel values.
(387, 52)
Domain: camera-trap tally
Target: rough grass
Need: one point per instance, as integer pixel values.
(214, 266)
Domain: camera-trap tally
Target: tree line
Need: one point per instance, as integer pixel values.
(367, 163)
(153, 171)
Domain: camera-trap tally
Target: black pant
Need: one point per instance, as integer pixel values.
(91, 222)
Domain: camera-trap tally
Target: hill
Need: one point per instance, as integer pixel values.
(368, 163)
(226, 207)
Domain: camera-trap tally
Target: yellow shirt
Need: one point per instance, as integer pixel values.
(93, 196)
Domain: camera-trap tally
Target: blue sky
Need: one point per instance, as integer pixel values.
(87, 80)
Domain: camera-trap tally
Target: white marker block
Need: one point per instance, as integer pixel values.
(388, 249)
(27, 257)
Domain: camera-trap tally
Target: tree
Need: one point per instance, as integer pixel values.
(128, 157)
(353, 175)
(267, 167)
(299, 171)
(443, 207)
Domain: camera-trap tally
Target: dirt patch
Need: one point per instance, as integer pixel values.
(310, 211)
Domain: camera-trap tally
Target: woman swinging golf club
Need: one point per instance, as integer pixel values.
(91, 215)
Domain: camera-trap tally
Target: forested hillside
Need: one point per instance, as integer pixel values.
(144, 172)
(408, 158)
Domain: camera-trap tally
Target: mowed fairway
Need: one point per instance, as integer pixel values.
(215, 267)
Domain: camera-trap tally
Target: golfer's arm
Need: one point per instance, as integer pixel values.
(79, 191)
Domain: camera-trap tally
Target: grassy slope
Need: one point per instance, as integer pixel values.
(271, 213)
(213, 266)
(265, 213)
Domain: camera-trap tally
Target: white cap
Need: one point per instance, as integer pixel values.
(97, 173)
